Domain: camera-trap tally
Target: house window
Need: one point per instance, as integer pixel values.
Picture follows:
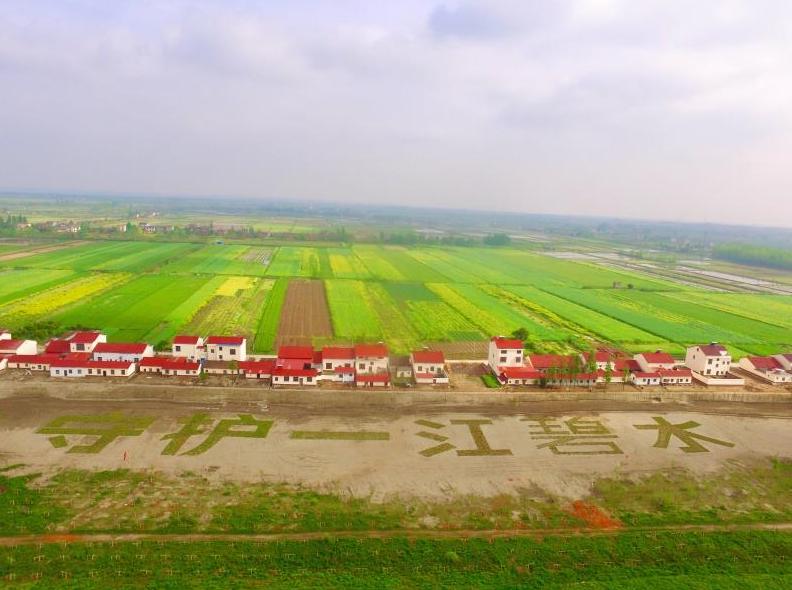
(177, 348)
(232, 351)
(362, 366)
(328, 365)
(308, 379)
(503, 359)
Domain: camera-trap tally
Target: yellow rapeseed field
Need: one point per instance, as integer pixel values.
(232, 285)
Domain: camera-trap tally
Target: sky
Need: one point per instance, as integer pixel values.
(669, 109)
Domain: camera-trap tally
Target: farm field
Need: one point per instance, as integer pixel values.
(407, 296)
(304, 315)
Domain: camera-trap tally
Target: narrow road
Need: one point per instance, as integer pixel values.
(390, 534)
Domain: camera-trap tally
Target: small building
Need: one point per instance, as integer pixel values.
(221, 367)
(651, 362)
(504, 352)
(523, 375)
(122, 351)
(371, 358)
(170, 366)
(709, 360)
(32, 362)
(372, 379)
(11, 346)
(226, 348)
(554, 363)
(290, 373)
(571, 380)
(428, 367)
(337, 357)
(675, 376)
(644, 378)
(766, 367)
(785, 360)
(189, 347)
(257, 369)
(87, 368)
(84, 341)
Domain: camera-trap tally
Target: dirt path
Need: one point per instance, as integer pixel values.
(391, 534)
(40, 250)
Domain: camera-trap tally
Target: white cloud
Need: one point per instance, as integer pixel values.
(513, 104)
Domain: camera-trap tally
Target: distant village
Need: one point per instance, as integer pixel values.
(89, 354)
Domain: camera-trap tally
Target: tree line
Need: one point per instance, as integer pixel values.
(754, 255)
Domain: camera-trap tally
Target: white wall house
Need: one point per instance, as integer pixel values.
(644, 379)
(429, 367)
(76, 368)
(709, 360)
(226, 348)
(9, 346)
(505, 352)
(371, 358)
(334, 357)
(768, 368)
(651, 362)
(189, 347)
(131, 352)
(84, 341)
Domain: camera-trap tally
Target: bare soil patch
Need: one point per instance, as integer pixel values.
(305, 314)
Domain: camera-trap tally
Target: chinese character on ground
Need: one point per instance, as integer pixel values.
(576, 436)
(482, 446)
(666, 431)
(105, 427)
(199, 424)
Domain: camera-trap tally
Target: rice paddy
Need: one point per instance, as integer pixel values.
(409, 296)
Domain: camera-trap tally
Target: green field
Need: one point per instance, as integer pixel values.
(408, 296)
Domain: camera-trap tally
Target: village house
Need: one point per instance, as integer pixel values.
(371, 358)
(709, 359)
(554, 363)
(338, 364)
(570, 380)
(523, 375)
(768, 368)
(257, 369)
(504, 352)
(651, 362)
(429, 367)
(32, 362)
(11, 346)
(675, 376)
(82, 341)
(170, 366)
(785, 360)
(131, 352)
(220, 367)
(189, 347)
(645, 378)
(296, 365)
(87, 368)
(226, 348)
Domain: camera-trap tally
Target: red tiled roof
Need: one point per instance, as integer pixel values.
(159, 361)
(713, 349)
(225, 340)
(372, 378)
(657, 357)
(10, 345)
(548, 361)
(507, 343)
(179, 365)
(620, 365)
(84, 337)
(371, 350)
(599, 357)
(520, 372)
(675, 372)
(293, 372)
(258, 367)
(36, 359)
(338, 353)
(765, 363)
(121, 347)
(429, 356)
(186, 340)
(296, 352)
(57, 345)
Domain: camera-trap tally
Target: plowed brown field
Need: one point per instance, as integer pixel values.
(305, 314)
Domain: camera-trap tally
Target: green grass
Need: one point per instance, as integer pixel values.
(149, 305)
(269, 320)
(358, 435)
(353, 316)
(16, 284)
(490, 381)
(663, 560)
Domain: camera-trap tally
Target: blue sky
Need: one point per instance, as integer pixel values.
(653, 108)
